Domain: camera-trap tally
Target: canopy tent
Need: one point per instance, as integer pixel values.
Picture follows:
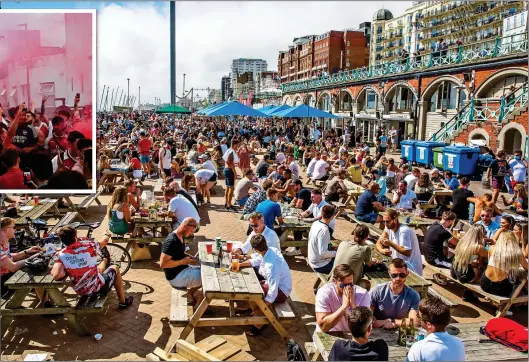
(304, 111)
(210, 108)
(173, 109)
(266, 108)
(282, 108)
(235, 108)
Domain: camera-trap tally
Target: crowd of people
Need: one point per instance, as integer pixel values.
(37, 152)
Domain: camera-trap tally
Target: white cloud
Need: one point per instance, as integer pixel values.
(133, 40)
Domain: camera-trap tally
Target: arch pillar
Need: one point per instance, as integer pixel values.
(423, 111)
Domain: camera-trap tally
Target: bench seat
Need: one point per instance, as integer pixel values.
(283, 311)
(66, 219)
(179, 313)
(91, 304)
(434, 293)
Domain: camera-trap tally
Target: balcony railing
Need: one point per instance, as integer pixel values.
(500, 47)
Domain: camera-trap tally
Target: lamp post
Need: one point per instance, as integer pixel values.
(184, 91)
(139, 99)
(128, 92)
(25, 25)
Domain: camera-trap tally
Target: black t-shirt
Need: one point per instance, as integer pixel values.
(364, 205)
(174, 247)
(343, 350)
(304, 194)
(499, 168)
(460, 203)
(262, 169)
(190, 142)
(433, 242)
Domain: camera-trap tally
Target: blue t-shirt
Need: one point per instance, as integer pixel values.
(491, 228)
(437, 346)
(270, 211)
(453, 183)
(364, 204)
(383, 141)
(389, 305)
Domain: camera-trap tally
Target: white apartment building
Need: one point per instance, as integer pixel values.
(243, 65)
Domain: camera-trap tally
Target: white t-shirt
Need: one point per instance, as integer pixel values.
(405, 200)
(437, 346)
(208, 165)
(320, 169)
(519, 171)
(203, 175)
(411, 180)
(165, 157)
(407, 239)
(183, 208)
(294, 167)
(224, 148)
(316, 211)
(280, 157)
(318, 254)
(272, 240)
(310, 167)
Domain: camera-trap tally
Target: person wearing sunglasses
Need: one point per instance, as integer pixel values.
(438, 345)
(360, 348)
(486, 220)
(399, 241)
(175, 261)
(258, 228)
(394, 300)
(338, 297)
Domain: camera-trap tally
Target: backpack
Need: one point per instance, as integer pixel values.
(37, 263)
(294, 352)
(507, 332)
(156, 156)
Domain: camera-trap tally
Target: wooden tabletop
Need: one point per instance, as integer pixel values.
(22, 279)
(145, 220)
(351, 186)
(467, 332)
(416, 220)
(36, 211)
(522, 218)
(215, 281)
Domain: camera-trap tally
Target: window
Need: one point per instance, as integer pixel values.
(347, 51)
(371, 99)
(47, 88)
(348, 43)
(447, 96)
(433, 103)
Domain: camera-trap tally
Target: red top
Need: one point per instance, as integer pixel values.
(145, 145)
(136, 164)
(13, 179)
(4, 254)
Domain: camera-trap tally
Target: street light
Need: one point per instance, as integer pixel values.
(128, 92)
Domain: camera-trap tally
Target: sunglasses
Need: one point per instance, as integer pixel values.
(343, 285)
(399, 275)
(387, 221)
(254, 225)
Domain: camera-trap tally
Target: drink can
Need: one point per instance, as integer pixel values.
(408, 219)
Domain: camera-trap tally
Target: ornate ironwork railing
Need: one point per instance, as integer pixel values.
(481, 110)
(495, 48)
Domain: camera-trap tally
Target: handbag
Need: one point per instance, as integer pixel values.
(37, 263)
(140, 252)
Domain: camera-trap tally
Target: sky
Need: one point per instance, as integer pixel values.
(133, 37)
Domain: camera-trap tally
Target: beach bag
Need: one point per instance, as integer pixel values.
(294, 351)
(507, 332)
(140, 252)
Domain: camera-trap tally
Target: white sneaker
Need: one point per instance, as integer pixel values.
(294, 252)
(509, 313)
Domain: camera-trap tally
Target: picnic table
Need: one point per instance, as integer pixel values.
(22, 282)
(354, 191)
(111, 179)
(516, 216)
(292, 224)
(232, 286)
(45, 206)
(466, 332)
(417, 222)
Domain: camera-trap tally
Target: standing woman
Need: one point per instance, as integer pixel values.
(244, 157)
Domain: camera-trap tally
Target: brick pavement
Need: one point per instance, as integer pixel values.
(137, 331)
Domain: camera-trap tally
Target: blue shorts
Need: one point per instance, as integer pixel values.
(229, 177)
(370, 218)
(242, 201)
(145, 159)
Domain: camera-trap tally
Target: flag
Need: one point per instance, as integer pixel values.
(249, 101)
(240, 98)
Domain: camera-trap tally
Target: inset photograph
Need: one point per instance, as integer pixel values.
(47, 93)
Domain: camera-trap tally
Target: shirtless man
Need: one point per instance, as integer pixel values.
(480, 203)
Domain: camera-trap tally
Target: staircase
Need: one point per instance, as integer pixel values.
(489, 114)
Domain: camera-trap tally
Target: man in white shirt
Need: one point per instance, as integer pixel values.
(179, 208)
(277, 283)
(204, 181)
(165, 156)
(412, 178)
(258, 227)
(242, 190)
(207, 164)
(404, 198)
(294, 167)
(312, 163)
(315, 208)
(320, 169)
(320, 258)
(317, 134)
(438, 345)
(280, 158)
(519, 168)
(224, 145)
(399, 241)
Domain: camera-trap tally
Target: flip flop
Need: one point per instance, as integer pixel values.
(254, 331)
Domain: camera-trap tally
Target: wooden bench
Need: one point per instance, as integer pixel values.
(322, 278)
(340, 207)
(283, 311)
(434, 293)
(373, 229)
(179, 312)
(91, 304)
(66, 219)
(89, 199)
(502, 303)
(213, 348)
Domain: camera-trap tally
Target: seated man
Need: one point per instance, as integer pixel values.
(449, 181)
(316, 207)
(336, 188)
(321, 169)
(367, 206)
(404, 198)
(319, 257)
(79, 261)
(438, 237)
(274, 270)
(481, 202)
(393, 301)
(256, 198)
(175, 261)
(258, 228)
(312, 163)
(270, 209)
(179, 208)
(242, 190)
(360, 348)
(180, 191)
(399, 241)
(412, 178)
(490, 225)
(302, 200)
(438, 345)
(460, 199)
(336, 298)
(261, 169)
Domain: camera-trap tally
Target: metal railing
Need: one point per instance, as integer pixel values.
(494, 48)
(484, 109)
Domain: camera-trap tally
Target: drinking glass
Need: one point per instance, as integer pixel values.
(410, 340)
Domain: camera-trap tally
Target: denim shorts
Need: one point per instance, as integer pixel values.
(229, 177)
(187, 278)
(145, 159)
(370, 218)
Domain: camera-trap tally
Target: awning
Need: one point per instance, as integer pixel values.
(396, 117)
(366, 116)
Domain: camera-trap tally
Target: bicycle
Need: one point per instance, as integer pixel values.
(119, 256)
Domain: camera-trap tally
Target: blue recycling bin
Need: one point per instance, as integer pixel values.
(460, 160)
(407, 149)
(424, 151)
